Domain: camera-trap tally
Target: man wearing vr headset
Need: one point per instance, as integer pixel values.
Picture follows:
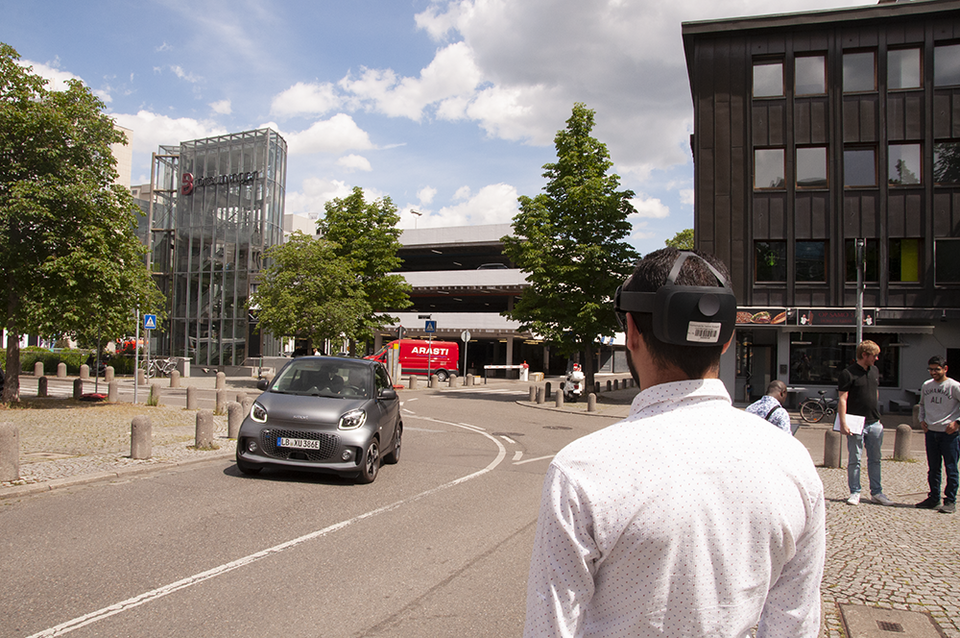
(690, 517)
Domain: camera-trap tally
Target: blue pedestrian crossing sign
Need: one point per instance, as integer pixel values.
(149, 322)
(431, 326)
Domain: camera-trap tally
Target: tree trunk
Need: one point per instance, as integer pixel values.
(11, 377)
(589, 367)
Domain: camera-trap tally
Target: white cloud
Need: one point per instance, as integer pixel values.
(426, 194)
(57, 78)
(686, 196)
(184, 75)
(650, 208)
(355, 163)
(223, 107)
(313, 194)
(337, 135)
(306, 99)
(151, 130)
(462, 193)
(493, 204)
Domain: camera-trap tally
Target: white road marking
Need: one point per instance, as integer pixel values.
(508, 439)
(539, 458)
(517, 456)
(136, 601)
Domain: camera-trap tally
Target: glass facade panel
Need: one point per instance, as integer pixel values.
(768, 79)
(947, 255)
(871, 260)
(904, 260)
(811, 75)
(771, 261)
(903, 163)
(812, 167)
(946, 65)
(903, 69)
(768, 168)
(810, 261)
(946, 163)
(220, 226)
(859, 167)
(817, 358)
(859, 72)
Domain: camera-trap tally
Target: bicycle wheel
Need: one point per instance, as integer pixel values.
(811, 411)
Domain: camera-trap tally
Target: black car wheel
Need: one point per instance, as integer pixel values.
(246, 468)
(442, 376)
(371, 463)
(393, 456)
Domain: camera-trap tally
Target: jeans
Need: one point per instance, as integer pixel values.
(942, 448)
(872, 439)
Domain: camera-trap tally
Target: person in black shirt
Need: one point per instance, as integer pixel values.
(859, 390)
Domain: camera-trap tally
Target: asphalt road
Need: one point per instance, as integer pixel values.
(438, 546)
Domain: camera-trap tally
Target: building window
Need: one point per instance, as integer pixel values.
(946, 163)
(811, 75)
(859, 72)
(768, 78)
(811, 261)
(904, 260)
(859, 167)
(812, 167)
(903, 163)
(904, 69)
(946, 65)
(771, 261)
(871, 260)
(818, 357)
(947, 256)
(768, 168)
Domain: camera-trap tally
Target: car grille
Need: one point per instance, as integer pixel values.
(329, 443)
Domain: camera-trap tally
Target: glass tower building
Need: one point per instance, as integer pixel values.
(217, 205)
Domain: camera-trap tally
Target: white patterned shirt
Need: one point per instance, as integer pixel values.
(778, 414)
(688, 518)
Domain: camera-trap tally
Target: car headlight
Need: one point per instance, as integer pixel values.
(258, 413)
(352, 420)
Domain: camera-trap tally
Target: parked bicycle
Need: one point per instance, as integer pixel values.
(813, 410)
(158, 366)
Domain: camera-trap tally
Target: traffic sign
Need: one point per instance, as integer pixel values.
(465, 336)
(431, 326)
(149, 322)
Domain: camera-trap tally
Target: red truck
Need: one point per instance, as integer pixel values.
(423, 357)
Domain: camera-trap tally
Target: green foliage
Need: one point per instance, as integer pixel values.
(683, 240)
(70, 261)
(308, 292)
(570, 241)
(31, 354)
(366, 236)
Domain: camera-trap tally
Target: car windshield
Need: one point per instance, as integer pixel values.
(325, 378)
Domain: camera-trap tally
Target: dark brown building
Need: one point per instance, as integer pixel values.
(815, 132)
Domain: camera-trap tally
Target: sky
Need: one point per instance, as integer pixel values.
(448, 107)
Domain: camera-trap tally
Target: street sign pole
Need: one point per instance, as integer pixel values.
(465, 335)
(136, 360)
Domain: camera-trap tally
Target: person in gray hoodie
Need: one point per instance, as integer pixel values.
(939, 412)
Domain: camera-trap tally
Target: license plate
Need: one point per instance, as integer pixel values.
(300, 444)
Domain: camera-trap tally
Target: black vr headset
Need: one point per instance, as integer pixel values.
(684, 315)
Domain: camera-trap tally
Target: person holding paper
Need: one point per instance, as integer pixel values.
(939, 411)
(859, 390)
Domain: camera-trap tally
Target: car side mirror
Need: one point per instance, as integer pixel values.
(388, 394)
(262, 384)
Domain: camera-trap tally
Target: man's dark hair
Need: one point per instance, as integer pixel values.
(650, 274)
(937, 360)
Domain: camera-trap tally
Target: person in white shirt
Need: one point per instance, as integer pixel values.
(770, 406)
(690, 517)
(939, 411)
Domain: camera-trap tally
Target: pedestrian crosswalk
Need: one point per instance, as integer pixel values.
(501, 391)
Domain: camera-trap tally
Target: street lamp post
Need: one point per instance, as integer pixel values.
(418, 214)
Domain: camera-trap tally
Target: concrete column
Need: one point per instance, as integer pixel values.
(469, 379)
(916, 417)
(609, 385)
(154, 394)
(204, 438)
(901, 445)
(241, 397)
(221, 381)
(412, 383)
(109, 374)
(247, 405)
(452, 381)
(141, 377)
(9, 452)
(77, 388)
(559, 399)
(547, 390)
(234, 419)
(84, 371)
(183, 367)
(831, 448)
(509, 347)
(591, 402)
(141, 438)
(38, 369)
(191, 398)
(42, 387)
(175, 379)
(433, 381)
(61, 370)
(540, 394)
(533, 393)
(113, 391)
(221, 401)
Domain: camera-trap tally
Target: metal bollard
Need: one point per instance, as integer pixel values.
(154, 394)
(221, 381)
(77, 388)
(221, 402)
(113, 391)
(191, 398)
(616, 384)
(38, 369)
(533, 393)
(84, 371)
(559, 399)
(61, 370)
(141, 438)
(591, 402)
(42, 387)
(109, 374)
(831, 448)
(9, 452)
(901, 445)
(204, 438)
(175, 379)
(546, 391)
(234, 419)
(609, 385)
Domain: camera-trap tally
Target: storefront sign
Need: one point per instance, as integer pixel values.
(834, 317)
(761, 316)
(188, 183)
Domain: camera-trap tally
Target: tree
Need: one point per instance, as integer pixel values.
(683, 240)
(70, 260)
(569, 240)
(366, 235)
(307, 291)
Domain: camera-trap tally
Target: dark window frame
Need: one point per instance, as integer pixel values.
(876, 83)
